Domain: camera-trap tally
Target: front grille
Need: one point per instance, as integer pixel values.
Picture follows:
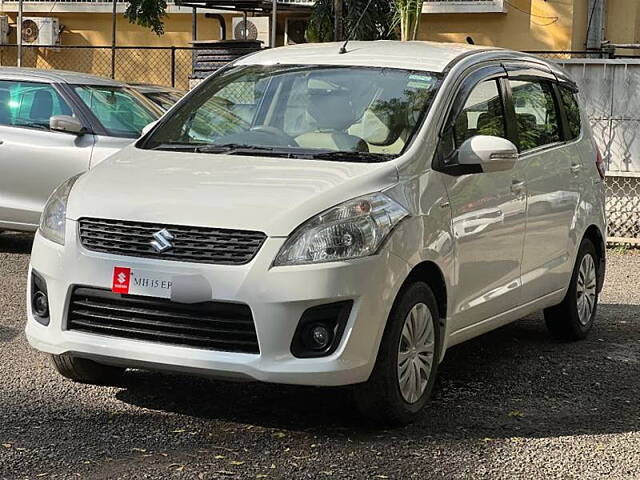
(189, 244)
(210, 325)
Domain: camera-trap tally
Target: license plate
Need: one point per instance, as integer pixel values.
(134, 281)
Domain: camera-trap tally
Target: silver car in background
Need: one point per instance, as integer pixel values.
(54, 125)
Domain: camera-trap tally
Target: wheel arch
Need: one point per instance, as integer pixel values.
(429, 273)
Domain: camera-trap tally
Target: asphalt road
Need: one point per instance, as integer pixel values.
(511, 404)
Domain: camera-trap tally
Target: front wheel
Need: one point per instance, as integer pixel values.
(573, 318)
(405, 370)
(83, 370)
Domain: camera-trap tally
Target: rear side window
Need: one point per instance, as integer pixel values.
(572, 110)
(482, 113)
(536, 114)
(29, 104)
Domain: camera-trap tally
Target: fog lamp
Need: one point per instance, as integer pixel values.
(40, 304)
(321, 337)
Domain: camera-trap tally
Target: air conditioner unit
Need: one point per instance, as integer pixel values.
(40, 31)
(256, 28)
(4, 29)
(294, 30)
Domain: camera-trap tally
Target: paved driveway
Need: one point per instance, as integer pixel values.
(511, 404)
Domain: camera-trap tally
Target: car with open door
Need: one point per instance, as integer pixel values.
(54, 125)
(321, 216)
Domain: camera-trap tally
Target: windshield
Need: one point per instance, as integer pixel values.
(119, 110)
(341, 113)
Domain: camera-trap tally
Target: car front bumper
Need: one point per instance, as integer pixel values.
(277, 296)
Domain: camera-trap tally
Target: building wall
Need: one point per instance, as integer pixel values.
(132, 65)
(536, 25)
(526, 25)
(95, 29)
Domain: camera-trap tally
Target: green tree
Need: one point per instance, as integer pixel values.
(376, 24)
(147, 13)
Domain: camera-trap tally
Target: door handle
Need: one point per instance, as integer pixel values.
(518, 186)
(576, 167)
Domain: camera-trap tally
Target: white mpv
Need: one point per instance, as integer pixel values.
(315, 218)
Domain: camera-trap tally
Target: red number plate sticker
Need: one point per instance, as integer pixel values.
(121, 280)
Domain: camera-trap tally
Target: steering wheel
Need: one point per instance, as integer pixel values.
(278, 134)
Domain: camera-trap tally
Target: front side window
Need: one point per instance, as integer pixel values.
(120, 111)
(30, 104)
(293, 110)
(572, 111)
(536, 114)
(482, 113)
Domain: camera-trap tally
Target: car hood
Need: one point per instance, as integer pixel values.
(271, 195)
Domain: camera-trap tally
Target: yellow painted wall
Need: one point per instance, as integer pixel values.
(527, 25)
(536, 25)
(132, 65)
(95, 29)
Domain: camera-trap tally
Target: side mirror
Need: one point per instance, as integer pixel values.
(67, 124)
(147, 128)
(492, 154)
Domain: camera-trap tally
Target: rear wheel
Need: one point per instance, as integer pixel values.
(405, 370)
(86, 371)
(573, 318)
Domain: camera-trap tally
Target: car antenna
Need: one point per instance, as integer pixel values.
(343, 49)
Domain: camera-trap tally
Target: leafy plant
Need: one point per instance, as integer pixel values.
(407, 17)
(147, 13)
(376, 24)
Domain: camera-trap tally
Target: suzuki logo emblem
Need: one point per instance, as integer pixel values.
(162, 240)
(121, 277)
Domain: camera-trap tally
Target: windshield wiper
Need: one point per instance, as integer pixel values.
(359, 157)
(181, 147)
(233, 148)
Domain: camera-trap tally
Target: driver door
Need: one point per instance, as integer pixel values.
(488, 210)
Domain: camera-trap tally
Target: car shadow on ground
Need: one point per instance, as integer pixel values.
(11, 242)
(512, 382)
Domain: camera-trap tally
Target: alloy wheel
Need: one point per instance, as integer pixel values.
(586, 289)
(416, 353)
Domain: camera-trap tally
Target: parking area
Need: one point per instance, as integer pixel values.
(510, 404)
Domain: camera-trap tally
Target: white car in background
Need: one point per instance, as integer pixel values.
(54, 125)
(316, 218)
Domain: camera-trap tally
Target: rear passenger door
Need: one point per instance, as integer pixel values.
(33, 159)
(548, 163)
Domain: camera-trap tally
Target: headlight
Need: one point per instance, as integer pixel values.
(356, 228)
(54, 215)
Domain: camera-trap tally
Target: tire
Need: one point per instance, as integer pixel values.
(567, 321)
(86, 371)
(380, 399)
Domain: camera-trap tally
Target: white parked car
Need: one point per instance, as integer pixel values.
(54, 125)
(315, 218)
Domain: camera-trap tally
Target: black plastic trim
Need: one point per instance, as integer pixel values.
(332, 314)
(38, 284)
